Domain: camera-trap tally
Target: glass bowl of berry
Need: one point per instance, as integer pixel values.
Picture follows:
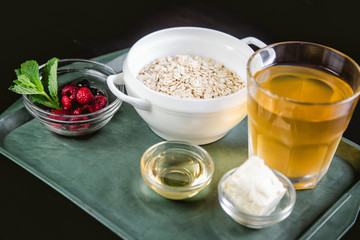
(81, 103)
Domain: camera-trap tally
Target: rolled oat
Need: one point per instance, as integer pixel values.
(190, 77)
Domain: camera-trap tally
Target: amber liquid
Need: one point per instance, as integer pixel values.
(298, 133)
(176, 169)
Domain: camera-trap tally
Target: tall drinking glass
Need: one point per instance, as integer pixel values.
(300, 100)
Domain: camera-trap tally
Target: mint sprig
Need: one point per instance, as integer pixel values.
(44, 90)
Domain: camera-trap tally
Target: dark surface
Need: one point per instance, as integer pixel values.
(30, 209)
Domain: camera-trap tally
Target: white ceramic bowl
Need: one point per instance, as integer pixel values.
(198, 121)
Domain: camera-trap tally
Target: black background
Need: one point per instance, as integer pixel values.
(29, 209)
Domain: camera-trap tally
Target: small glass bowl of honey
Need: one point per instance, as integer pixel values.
(177, 170)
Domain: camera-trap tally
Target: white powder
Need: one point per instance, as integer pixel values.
(254, 188)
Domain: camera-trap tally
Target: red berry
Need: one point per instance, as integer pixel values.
(87, 109)
(75, 127)
(100, 102)
(59, 112)
(76, 111)
(78, 118)
(84, 96)
(66, 102)
(70, 91)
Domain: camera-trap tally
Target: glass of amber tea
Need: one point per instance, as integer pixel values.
(300, 100)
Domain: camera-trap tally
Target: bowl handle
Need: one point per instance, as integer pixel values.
(118, 79)
(253, 41)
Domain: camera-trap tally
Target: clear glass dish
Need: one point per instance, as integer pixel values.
(70, 70)
(177, 170)
(281, 212)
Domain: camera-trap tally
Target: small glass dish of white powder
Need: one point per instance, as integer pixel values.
(255, 195)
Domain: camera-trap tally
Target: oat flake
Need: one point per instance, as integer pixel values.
(190, 77)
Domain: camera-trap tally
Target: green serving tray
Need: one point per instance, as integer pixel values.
(101, 174)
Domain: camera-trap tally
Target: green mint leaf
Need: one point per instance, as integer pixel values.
(23, 85)
(28, 82)
(31, 70)
(18, 72)
(49, 78)
(25, 81)
(43, 100)
(20, 89)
